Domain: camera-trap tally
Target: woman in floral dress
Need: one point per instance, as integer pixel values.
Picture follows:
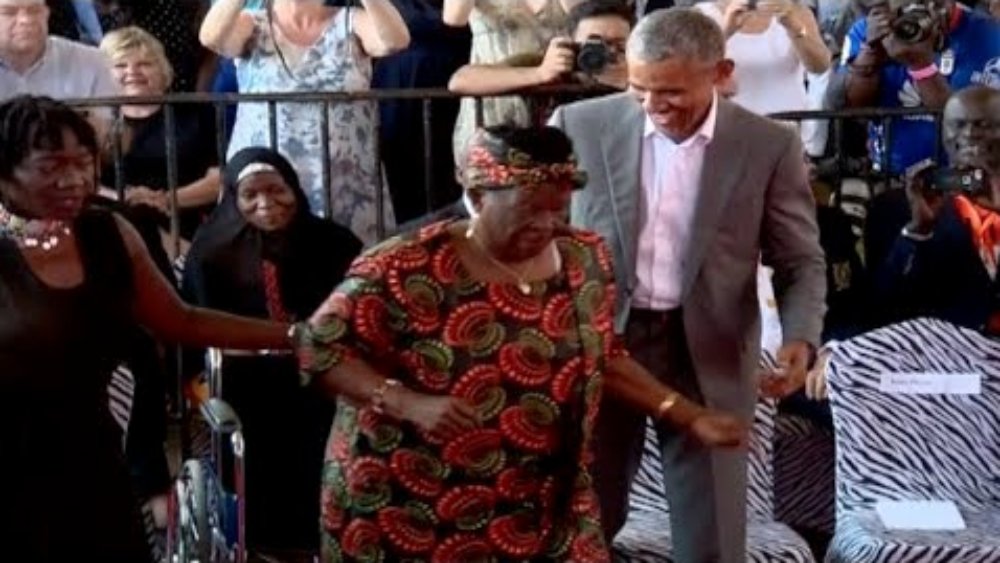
(468, 361)
(308, 47)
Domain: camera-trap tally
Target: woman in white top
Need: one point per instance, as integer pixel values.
(774, 46)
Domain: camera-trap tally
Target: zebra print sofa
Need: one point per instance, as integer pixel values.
(646, 535)
(804, 479)
(912, 447)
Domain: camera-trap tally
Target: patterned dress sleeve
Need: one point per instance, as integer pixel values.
(588, 542)
(360, 319)
(614, 343)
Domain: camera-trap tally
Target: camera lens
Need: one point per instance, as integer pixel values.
(908, 30)
(592, 56)
(913, 25)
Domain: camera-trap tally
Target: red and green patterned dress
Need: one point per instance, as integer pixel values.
(515, 489)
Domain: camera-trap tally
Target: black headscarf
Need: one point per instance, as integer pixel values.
(225, 264)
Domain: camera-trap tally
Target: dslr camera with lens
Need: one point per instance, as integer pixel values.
(913, 23)
(592, 55)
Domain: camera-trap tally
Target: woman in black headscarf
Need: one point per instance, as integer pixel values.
(263, 254)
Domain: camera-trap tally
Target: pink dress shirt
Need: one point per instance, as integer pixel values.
(671, 177)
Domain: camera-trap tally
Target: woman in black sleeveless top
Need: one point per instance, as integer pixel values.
(73, 282)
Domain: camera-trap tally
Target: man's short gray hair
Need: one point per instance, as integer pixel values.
(677, 32)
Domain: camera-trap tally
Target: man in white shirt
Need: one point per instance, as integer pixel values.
(32, 62)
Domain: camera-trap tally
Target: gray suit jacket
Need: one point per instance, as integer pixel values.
(754, 200)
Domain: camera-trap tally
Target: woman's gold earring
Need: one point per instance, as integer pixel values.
(471, 230)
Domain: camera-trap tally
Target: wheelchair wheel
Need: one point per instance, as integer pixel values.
(194, 541)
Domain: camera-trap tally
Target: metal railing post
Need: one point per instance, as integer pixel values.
(428, 130)
(327, 178)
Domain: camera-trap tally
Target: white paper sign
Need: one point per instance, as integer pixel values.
(920, 515)
(931, 383)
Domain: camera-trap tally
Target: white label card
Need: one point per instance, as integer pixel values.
(931, 383)
(920, 515)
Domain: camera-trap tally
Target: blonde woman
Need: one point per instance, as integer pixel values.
(141, 68)
(502, 29)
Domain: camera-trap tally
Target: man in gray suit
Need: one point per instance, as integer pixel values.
(690, 191)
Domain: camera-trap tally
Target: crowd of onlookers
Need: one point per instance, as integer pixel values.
(890, 243)
(790, 56)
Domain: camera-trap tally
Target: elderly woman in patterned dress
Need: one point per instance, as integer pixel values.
(468, 360)
(307, 46)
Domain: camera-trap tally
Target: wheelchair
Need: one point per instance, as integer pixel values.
(207, 517)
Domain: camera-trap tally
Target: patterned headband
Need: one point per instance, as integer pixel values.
(519, 170)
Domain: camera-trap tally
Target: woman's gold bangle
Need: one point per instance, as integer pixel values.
(666, 404)
(378, 396)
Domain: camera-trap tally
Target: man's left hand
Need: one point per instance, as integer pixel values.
(793, 359)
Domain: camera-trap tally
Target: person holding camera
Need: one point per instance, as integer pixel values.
(593, 52)
(502, 29)
(914, 53)
(944, 261)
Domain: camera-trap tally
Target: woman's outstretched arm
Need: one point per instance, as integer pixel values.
(158, 308)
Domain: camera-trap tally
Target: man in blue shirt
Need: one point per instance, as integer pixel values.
(880, 69)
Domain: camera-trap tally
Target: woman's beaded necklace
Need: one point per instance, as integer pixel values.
(45, 234)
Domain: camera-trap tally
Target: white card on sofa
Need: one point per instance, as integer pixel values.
(920, 515)
(931, 383)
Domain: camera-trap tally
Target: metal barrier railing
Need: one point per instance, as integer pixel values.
(221, 103)
(885, 118)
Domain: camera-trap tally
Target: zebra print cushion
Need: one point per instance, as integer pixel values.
(646, 539)
(909, 447)
(803, 474)
(646, 535)
(121, 392)
(861, 539)
(179, 264)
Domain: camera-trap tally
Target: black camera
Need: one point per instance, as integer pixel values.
(592, 56)
(967, 180)
(913, 23)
